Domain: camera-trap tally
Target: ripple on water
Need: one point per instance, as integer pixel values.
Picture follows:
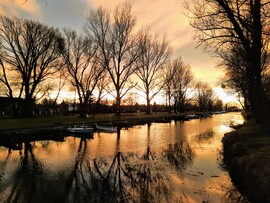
(176, 162)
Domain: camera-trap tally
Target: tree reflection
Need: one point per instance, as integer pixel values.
(148, 154)
(97, 180)
(76, 186)
(113, 180)
(28, 178)
(129, 178)
(3, 169)
(123, 177)
(204, 136)
(138, 179)
(179, 154)
(148, 180)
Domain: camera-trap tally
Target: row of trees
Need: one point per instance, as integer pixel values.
(238, 32)
(108, 57)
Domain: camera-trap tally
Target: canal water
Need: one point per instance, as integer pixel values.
(157, 162)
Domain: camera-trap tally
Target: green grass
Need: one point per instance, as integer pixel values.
(50, 121)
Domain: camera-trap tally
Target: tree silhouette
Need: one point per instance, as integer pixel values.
(150, 65)
(80, 55)
(221, 23)
(28, 178)
(29, 55)
(181, 83)
(204, 96)
(118, 48)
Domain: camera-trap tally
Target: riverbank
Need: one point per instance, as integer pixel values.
(247, 157)
(13, 132)
(10, 125)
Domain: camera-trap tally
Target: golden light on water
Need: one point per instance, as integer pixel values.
(181, 157)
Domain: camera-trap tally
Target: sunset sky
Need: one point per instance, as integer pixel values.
(163, 17)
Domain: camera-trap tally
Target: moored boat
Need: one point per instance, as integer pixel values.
(106, 128)
(80, 129)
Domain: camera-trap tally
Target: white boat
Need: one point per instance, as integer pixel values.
(192, 116)
(106, 128)
(80, 129)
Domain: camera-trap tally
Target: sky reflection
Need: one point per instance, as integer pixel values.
(177, 162)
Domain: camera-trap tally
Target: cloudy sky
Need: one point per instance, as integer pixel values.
(163, 17)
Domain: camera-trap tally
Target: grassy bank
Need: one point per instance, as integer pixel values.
(247, 157)
(9, 124)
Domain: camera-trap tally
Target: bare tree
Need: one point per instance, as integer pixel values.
(29, 51)
(235, 80)
(102, 88)
(204, 96)
(169, 74)
(118, 48)
(182, 82)
(80, 55)
(178, 82)
(221, 23)
(150, 65)
(57, 88)
(6, 88)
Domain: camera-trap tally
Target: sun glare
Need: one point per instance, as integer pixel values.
(226, 98)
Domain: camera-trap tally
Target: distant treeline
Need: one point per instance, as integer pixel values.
(47, 107)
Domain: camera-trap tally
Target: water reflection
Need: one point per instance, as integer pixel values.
(77, 188)
(205, 136)
(121, 178)
(148, 155)
(27, 178)
(179, 154)
(167, 166)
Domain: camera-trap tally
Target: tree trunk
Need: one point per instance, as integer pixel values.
(175, 105)
(169, 100)
(97, 106)
(118, 101)
(148, 110)
(181, 105)
(82, 109)
(260, 105)
(15, 112)
(84, 104)
(14, 105)
(27, 107)
(28, 101)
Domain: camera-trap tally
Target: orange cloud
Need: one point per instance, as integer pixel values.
(163, 17)
(167, 17)
(16, 7)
